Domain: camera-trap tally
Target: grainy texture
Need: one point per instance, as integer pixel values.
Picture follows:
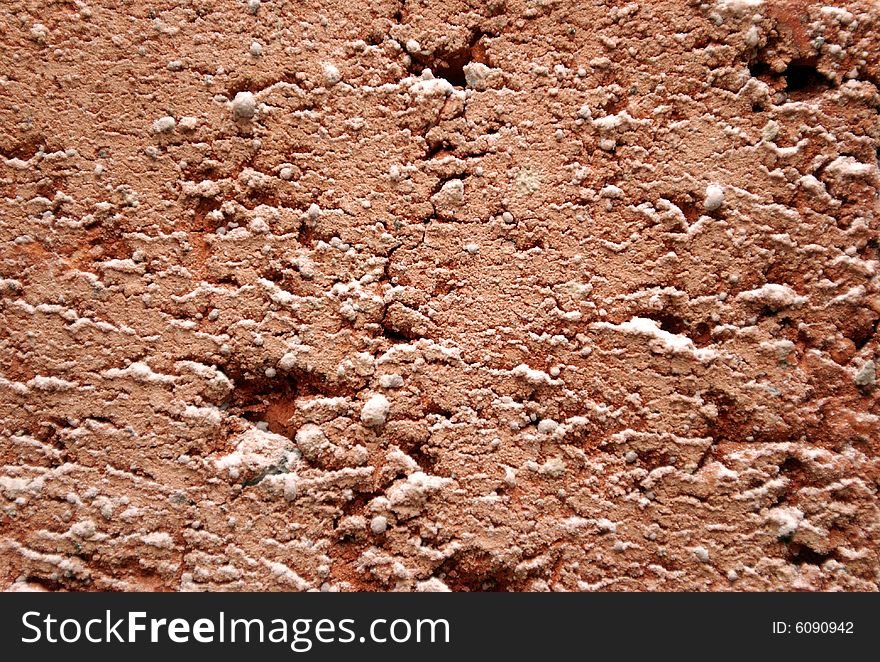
(498, 295)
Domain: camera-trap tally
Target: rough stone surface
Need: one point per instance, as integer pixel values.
(503, 295)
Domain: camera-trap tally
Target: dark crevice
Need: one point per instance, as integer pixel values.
(273, 400)
(306, 235)
(861, 335)
(394, 335)
(50, 585)
(669, 322)
(760, 69)
(423, 458)
(437, 150)
(25, 150)
(800, 80)
(803, 555)
(450, 64)
(803, 77)
(689, 209)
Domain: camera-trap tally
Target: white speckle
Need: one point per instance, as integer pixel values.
(164, 124)
(867, 376)
(244, 106)
(532, 376)
(739, 7)
(752, 37)
(660, 340)
(285, 574)
(553, 467)
(256, 49)
(771, 131)
(311, 440)
(38, 32)
(622, 120)
(451, 194)
(208, 415)
(476, 74)
(375, 411)
(391, 381)
(631, 457)
(256, 451)
(432, 585)
(430, 86)
(611, 191)
(314, 212)
(547, 426)
(714, 197)
(772, 295)
(701, 553)
(188, 123)
(787, 519)
(846, 167)
(379, 524)
(290, 493)
(408, 497)
(472, 248)
(253, 6)
(605, 525)
(138, 371)
(331, 74)
(412, 46)
(258, 225)
(270, 373)
(42, 383)
(84, 529)
(510, 476)
(158, 539)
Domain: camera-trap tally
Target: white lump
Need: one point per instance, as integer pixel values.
(450, 195)
(379, 524)
(331, 74)
(311, 441)
(258, 225)
(714, 197)
(476, 75)
(772, 295)
(375, 411)
(432, 585)
(547, 426)
(391, 381)
(189, 123)
(164, 124)
(244, 106)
